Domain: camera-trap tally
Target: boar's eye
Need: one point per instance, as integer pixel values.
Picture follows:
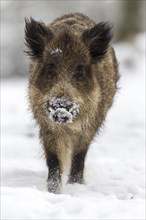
(51, 69)
(79, 72)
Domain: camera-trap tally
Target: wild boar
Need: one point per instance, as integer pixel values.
(72, 81)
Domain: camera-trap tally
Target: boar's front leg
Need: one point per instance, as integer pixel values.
(77, 167)
(53, 161)
(54, 175)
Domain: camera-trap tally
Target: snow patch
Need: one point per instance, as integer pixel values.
(55, 51)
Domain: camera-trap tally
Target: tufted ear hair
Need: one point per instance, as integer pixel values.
(36, 36)
(97, 39)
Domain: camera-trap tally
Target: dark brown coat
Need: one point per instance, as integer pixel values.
(72, 61)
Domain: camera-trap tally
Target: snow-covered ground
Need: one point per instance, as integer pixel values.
(114, 172)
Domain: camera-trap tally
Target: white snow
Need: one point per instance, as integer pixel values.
(55, 51)
(114, 174)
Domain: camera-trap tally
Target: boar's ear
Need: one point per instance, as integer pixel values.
(36, 35)
(97, 39)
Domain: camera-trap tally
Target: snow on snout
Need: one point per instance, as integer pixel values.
(61, 113)
(62, 109)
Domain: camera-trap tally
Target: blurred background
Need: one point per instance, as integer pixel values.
(115, 166)
(127, 16)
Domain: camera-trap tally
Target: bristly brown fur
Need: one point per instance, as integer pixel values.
(84, 69)
(97, 39)
(36, 34)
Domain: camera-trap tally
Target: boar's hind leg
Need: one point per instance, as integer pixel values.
(77, 167)
(54, 176)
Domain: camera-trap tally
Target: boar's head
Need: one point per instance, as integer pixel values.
(64, 86)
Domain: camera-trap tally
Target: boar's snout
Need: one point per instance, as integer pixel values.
(61, 110)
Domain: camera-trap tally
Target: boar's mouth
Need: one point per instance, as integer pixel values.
(62, 111)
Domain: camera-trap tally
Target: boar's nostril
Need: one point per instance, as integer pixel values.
(65, 119)
(60, 119)
(55, 118)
